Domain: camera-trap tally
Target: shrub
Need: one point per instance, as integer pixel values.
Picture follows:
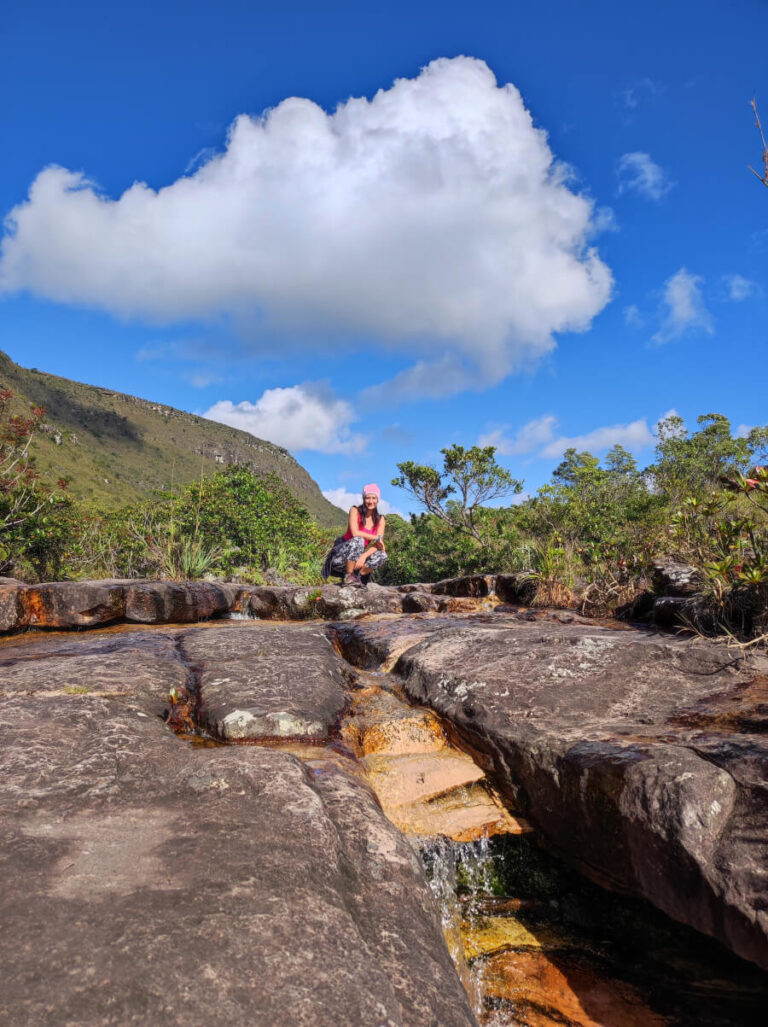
(30, 528)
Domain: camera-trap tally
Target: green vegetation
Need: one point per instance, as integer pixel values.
(234, 524)
(588, 537)
(116, 449)
(28, 505)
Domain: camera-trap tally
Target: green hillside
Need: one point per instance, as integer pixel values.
(117, 448)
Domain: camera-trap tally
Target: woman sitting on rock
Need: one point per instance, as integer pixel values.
(361, 550)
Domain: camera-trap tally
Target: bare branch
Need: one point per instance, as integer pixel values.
(764, 177)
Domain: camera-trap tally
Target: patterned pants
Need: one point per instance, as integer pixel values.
(351, 549)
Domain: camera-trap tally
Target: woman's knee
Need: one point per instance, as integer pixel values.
(355, 547)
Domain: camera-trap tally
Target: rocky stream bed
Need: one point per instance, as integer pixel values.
(427, 806)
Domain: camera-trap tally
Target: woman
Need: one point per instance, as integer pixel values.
(360, 551)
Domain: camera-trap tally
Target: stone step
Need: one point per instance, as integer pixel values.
(464, 815)
(378, 722)
(402, 780)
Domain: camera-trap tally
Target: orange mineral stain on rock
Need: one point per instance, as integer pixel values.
(534, 989)
(427, 786)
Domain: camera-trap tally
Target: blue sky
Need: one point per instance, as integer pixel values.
(440, 260)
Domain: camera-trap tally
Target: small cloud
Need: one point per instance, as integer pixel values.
(739, 288)
(743, 430)
(633, 436)
(605, 220)
(436, 379)
(530, 437)
(344, 499)
(397, 435)
(641, 91)
(683, 309)
(639, 173)
(147, 353)
(633, 317)
(299, 417)
(539, 437)
(202, 379)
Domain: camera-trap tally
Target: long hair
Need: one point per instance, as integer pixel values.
(364, 511)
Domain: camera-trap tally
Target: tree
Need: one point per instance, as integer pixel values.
(602, 512)
(469, 481)
(24, 498)
(692, 464)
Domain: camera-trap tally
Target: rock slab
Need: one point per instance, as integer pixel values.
(266, 680)
(622, 747)
(149, 881)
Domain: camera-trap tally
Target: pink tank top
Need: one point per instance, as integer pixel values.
(360, 525)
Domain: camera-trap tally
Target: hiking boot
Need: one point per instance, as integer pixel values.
(352, 579)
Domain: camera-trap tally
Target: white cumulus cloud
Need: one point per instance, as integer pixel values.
(541, 439)
(345, 499)
(299, 417)
(639, 173)
(432, 216)
(683, 310)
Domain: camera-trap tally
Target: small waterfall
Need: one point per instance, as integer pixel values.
(461, 876)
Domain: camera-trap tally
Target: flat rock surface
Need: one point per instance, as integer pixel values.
(267, 680)
(641, 758)
(141, 664)
(150, 881)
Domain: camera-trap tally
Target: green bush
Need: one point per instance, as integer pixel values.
(234, 522)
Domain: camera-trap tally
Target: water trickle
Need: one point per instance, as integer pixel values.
(461, 876)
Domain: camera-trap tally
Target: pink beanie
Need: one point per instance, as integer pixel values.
(371, 490)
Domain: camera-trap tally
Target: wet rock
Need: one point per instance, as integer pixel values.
(540, 989)
(416, 587)
(426, 786)
(168, 602)
(472, 585)
(146, 881)
(378, 722)
(587, 732)
(402, 779)
(266, 681)
(379, 644)
(672, 578)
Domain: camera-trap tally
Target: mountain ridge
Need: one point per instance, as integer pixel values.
(116, 448)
